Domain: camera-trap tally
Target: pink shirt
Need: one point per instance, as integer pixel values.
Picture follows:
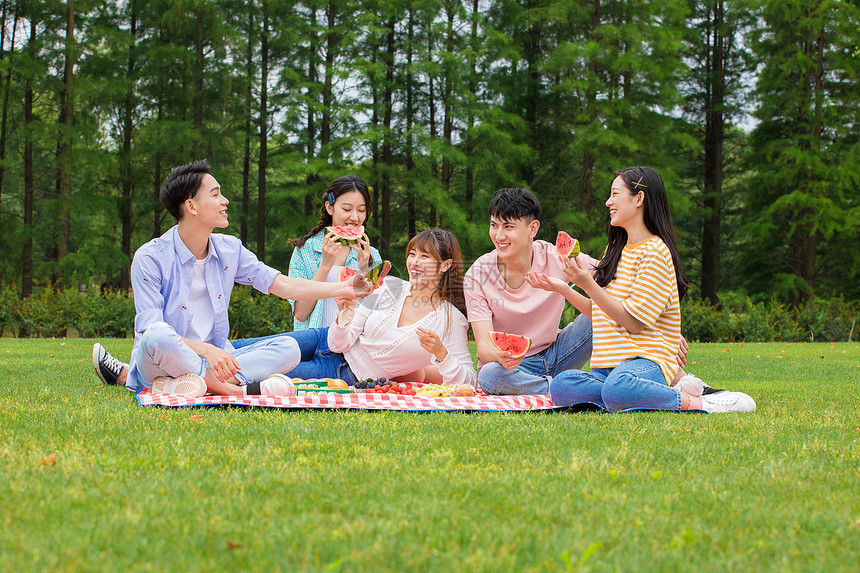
(526, 311)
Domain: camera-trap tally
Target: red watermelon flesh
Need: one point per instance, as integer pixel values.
(514, 343)
(566, 245)
(346, 235)
(345, 273)
(379, 272)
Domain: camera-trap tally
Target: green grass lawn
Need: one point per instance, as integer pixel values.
(236, 489)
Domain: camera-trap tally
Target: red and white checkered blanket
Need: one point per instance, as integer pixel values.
(360, 401)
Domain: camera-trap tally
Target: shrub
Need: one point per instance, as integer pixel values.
(254, 314)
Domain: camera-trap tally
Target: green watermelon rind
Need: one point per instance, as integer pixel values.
(343, 236)
(378, 273)
(574, 247)
(494, 334)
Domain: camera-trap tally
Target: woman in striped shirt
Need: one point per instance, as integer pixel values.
(634, 304)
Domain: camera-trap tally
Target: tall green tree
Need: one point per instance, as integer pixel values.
(801, 201)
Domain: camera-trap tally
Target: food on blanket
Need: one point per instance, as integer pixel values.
(345, 273)
(377, 273)
(462, 390)
(393, 388)
(370, 383)
(434, 391)
(514, 343)
(566, 245)
(346, 235)
(336, 384)
(320, 386)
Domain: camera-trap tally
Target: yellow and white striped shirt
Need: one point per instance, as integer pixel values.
(646, 285)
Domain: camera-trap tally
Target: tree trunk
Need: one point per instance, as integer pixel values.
(197, 98)
(586, 197)
(246, 154)
(387, 155)
(533, 57)
(311, 133)
(447, 100)
(328, 97)
(63, 187)
(264, 134)
(410, 119)
(5, 113)
(470, 119)
(125, 153)
(431, 103)
(714, 131)
(29, 182)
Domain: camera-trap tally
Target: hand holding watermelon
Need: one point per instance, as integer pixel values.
(362, 252)
(578, 275)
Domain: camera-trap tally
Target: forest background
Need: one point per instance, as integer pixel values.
(748, 108)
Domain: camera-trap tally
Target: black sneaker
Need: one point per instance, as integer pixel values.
(106, 366)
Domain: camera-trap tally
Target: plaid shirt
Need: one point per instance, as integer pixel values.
(304, 263)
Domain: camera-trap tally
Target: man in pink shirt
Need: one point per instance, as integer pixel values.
(499, 298)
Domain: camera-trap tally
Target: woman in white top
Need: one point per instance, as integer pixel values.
(411, 331)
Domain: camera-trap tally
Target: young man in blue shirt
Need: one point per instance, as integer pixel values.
(182, 283)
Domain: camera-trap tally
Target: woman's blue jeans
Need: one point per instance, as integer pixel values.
(636, 383)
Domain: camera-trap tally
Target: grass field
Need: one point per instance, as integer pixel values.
(91, 481)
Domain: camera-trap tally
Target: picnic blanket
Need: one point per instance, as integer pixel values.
(366, 401)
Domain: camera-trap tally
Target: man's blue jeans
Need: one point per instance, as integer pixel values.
(571, 349)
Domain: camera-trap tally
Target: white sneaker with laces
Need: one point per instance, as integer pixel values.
(690, 385)
(277, 385)
(727, 402)
(188, 385)
(107, 368)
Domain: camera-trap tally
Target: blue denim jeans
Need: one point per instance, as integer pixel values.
(571, 349)
(636, 383)
(317, 361)
(163, 353)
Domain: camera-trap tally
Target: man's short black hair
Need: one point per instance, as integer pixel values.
(182, 183)
(514, 203)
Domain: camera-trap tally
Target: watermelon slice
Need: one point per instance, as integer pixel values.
(346, 235)
(514, 343)
(566, 245)
(379, 272)
(345, 273)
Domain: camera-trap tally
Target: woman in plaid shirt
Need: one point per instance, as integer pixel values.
(317, 254)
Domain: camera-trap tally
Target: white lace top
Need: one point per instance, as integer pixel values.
(374, 345)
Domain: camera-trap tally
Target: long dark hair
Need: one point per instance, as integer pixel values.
(657, 218)
(443, 245)
(341, 185)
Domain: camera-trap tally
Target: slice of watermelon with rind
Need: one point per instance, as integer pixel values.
(516, 344)
(345, 273)
(347, 234)
(566, 245)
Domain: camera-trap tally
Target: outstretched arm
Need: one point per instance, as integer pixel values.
(304, 289)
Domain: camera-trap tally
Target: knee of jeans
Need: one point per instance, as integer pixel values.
(489, 375)
(157, 334)
(617, 390)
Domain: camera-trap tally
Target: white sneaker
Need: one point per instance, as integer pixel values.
(274, 385)
(188, 385)
(727, 402)
(690, 385)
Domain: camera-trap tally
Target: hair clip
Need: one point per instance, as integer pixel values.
(639, 184)
(331, 198)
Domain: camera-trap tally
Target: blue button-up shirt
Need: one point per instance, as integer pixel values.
(161, 275)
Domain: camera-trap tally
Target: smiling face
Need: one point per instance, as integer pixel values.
(208, 205)
(513, 237)
(425, 270)
(349, 208)
(624, 208)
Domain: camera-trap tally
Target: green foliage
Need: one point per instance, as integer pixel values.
(109, 313)
(254, 314)
(740, 319)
